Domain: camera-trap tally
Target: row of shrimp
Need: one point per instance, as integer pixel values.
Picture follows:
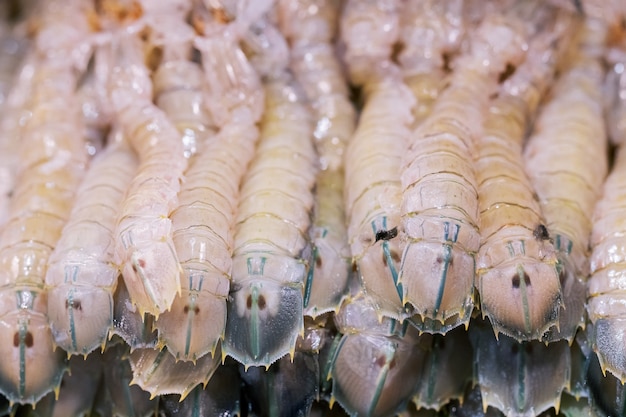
(247, 209)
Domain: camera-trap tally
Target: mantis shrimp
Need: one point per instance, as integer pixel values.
(518, 282)
(144, 246)
(81, 276)
(372, 185)
(317, 67)
(268, 272)
(540, 373)
(204, 220)
(54, 159)
(437, 268)
(570, 130)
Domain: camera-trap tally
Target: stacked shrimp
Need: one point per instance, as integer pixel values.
(196, 211)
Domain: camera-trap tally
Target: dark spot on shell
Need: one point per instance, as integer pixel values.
(385, 260)
(395, 256)
(141, 263)
(318, 261)
(249, 302)
(562, 276)
(29, 340)
(261, 302)
(392, 364)
(380, 361)
(446, 62)
(386, 234)
(196, 309)
(515, 281)
(506, 74)
(16, 339)
(354, 267)
(541, 232)
(76, 304)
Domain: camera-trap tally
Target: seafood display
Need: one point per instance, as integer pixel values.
(312, 207)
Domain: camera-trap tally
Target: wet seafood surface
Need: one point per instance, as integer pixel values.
(312, 207)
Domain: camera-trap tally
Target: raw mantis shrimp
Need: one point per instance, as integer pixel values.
(317, 68)
(437, 267)
(203, 222)
(268, 273)
(144, 246)
(81, 276)
(568, 132)
(54, 159)
(373, 189)
(209, 194)
(518, 282)
(372, 185)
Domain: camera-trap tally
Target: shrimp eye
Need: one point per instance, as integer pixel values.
(386, 234)
(515, 281)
